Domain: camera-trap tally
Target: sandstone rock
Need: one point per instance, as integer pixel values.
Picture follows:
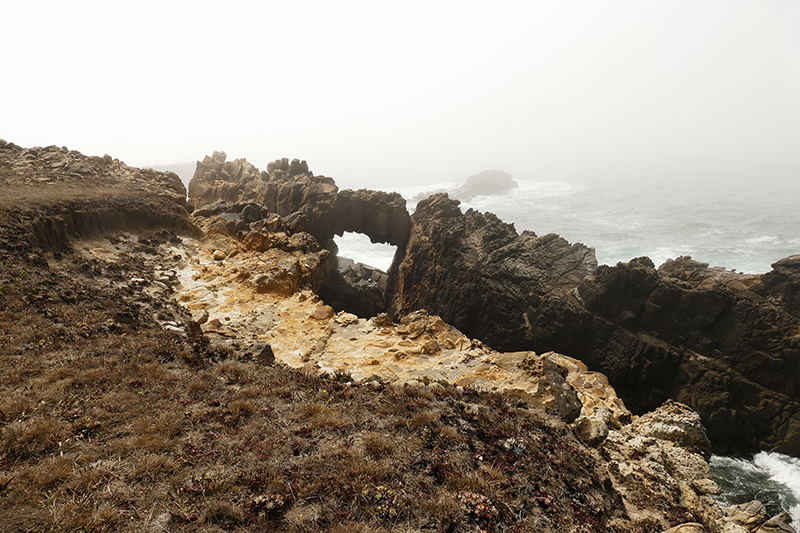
(262, 352)
(658, 456)
(282, 276)
(676, 423)
(778, 524)
(706, 486)
(749, 515)
(323, 312)
(592, 431)
(202, 317)
(534, 379)
(219, 255)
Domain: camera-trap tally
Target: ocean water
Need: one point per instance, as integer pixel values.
(772, 478)
(741, 221)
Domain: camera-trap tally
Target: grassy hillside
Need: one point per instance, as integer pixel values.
(109, 423)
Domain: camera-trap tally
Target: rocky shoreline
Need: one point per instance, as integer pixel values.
(468, 303)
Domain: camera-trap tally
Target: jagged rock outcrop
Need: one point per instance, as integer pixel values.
(476, 270)
(289, 189)
(727, 344)
(782, 284)
(659, 464)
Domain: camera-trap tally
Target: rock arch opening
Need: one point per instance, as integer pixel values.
(361, 249)
(356, 276)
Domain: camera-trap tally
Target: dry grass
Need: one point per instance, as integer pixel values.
(136, 429)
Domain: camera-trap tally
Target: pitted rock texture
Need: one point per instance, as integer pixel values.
(726, 344)
(238, 312)
(476, 270)
(658, 465)
(306, 202)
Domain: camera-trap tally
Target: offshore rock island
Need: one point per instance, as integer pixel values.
(211, 364)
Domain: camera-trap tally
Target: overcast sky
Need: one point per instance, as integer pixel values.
(408, 90)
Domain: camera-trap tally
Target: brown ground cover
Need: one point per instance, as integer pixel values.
(108, 423)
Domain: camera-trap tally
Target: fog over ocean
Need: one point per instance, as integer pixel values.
(742, 220)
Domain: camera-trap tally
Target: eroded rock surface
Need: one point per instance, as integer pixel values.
(306, 202)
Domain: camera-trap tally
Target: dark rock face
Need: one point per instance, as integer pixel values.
(484, 277)
(358, 288)
(782, 284)
(726, 344)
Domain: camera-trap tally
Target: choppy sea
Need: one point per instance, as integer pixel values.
(743, 221)
(772, 478)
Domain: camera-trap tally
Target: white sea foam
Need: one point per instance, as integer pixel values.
(763, 239)
(359, 248)
(785, 470)
(772, 478)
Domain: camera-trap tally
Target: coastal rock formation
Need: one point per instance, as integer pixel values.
(309, 203)
(782, 284)
(725, 343)
(183, 317)
(289, 189)
(475, 270)
(57, 194)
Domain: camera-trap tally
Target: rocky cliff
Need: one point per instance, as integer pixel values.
(725, 343)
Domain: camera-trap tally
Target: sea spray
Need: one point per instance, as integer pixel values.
(772, 478)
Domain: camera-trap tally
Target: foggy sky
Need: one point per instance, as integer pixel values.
(372, 92)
